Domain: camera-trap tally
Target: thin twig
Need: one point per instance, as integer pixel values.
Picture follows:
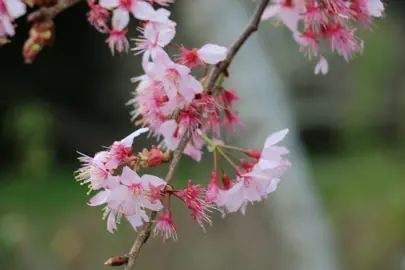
(48, 13)
(252, 27)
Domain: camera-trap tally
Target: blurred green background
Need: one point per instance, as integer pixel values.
(68, 100)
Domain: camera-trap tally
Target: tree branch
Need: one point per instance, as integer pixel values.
(252, 27)
(48, 13)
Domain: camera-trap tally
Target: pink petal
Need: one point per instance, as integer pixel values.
(212, 54)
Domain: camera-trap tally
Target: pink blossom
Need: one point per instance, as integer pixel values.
(232, 121)
(215, 193)
(155, 37)
(308, 42)
(176, 78)
(321, 66)
(121, 151)
(149, 101)
(117, 41)
(271, 154)
(208, 54)
(97, 16)
(139, 9)
(194, 198)
(285, 10)
(131, 198)
(247, 189)
(95, 173)
(165, 227)
(172, 134)
(342, 40)
(134, 193)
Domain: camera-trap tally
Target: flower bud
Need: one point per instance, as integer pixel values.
(40, 35)
(116, 261)
(152, 158)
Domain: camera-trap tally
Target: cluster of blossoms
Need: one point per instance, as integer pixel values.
(113, 174)
(9, 11)
(331, 21)
(157, 28)
(171, 102)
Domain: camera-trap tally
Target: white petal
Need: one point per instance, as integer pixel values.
(120, 19)
(129, 177)
(100, 198)
(212, 54)
(321, 66)
(111, 223)
(142, 10)
(375, 8)
(127, 141)
(109, 3)
(8, 26)
(270, 11)
(275, 138)
(153, 180)
(290, 18)
(15, 8)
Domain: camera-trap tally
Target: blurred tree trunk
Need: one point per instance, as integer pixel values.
(302, 238)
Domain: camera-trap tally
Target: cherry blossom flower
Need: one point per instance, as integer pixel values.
(176, 78)
(194, 198)
(165, 227)
(139, 9)
(285, 10)
(97, 16)
(155, 37)
(121, 151)
(95, 173)
(133, 194)
(207, 54)
(130, 198)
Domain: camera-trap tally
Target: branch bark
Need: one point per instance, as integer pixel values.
(251, 27)
(48, 13)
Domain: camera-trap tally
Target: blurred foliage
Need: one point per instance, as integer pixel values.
(29, 125)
